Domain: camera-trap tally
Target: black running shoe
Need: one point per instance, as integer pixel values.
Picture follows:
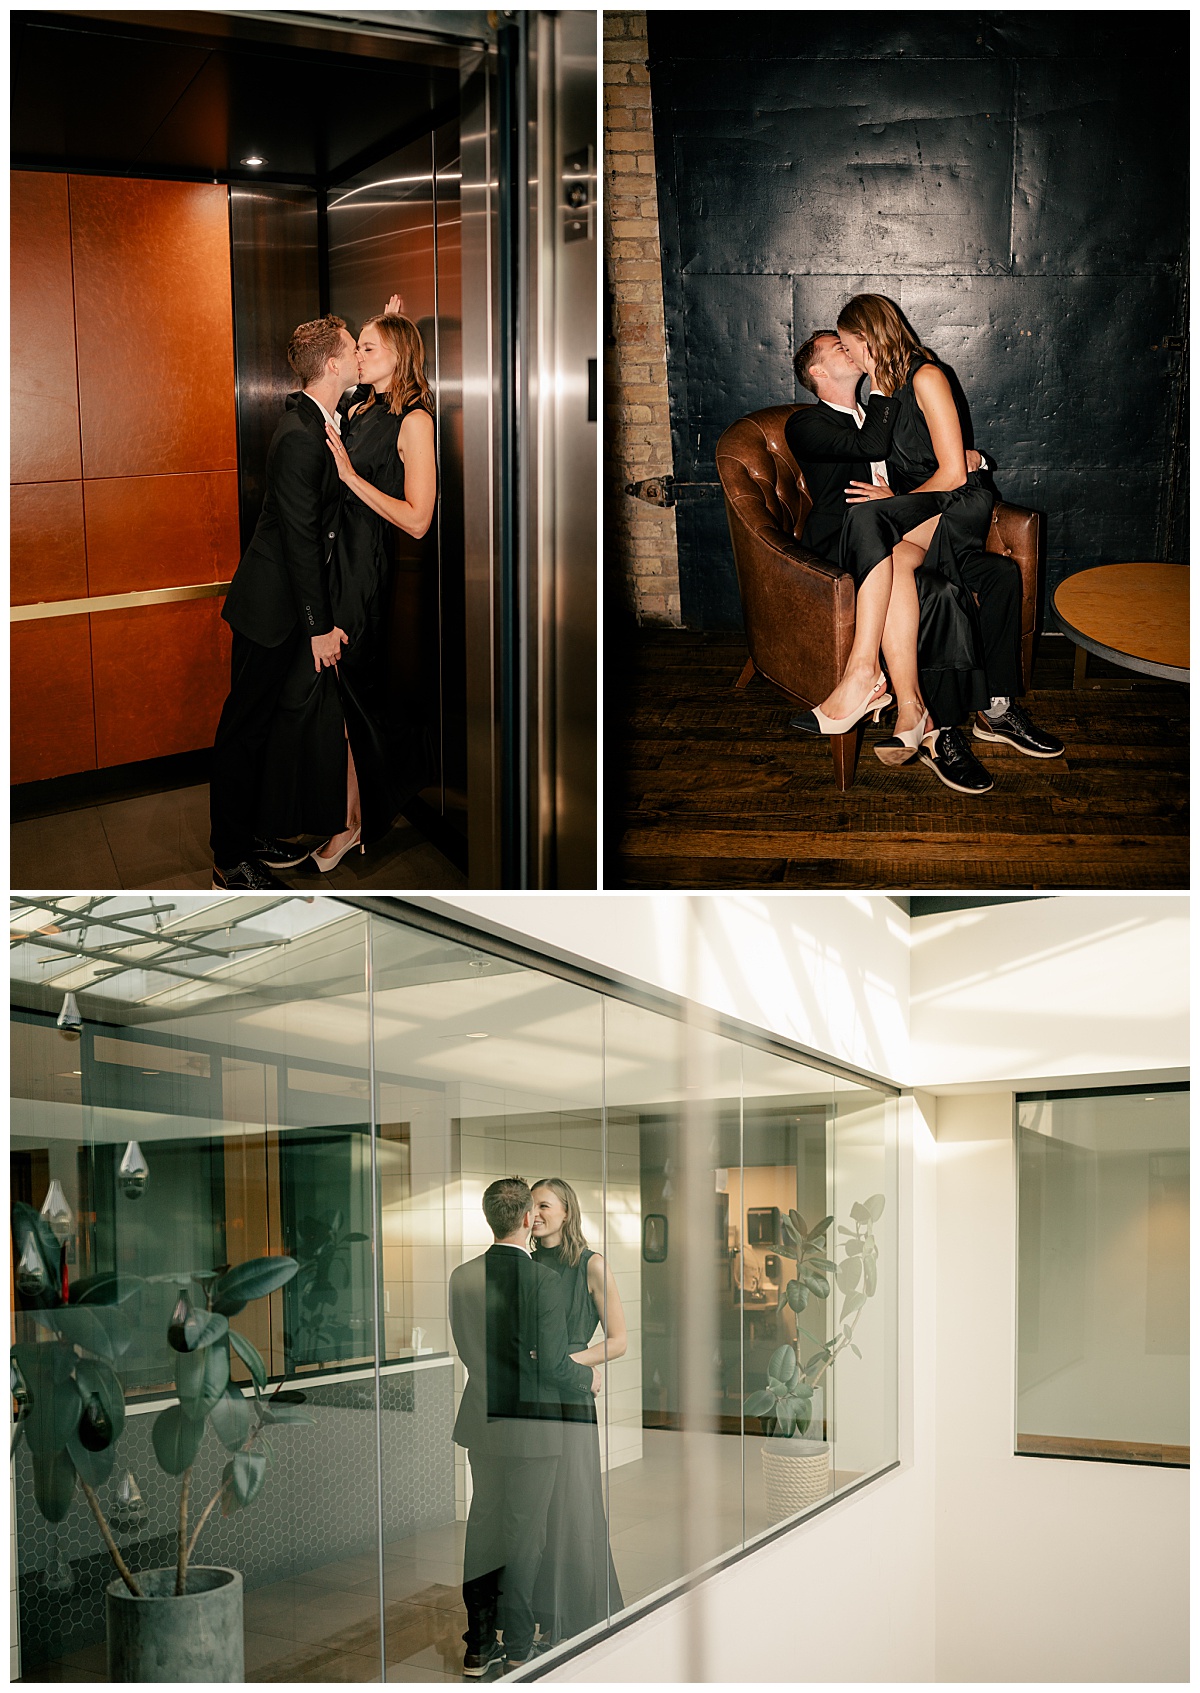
(952, 761)
(280, 855)
(477, 1664)
(246, 876)
(1017, 728)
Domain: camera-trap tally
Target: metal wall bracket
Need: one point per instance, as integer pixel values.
(656, 490)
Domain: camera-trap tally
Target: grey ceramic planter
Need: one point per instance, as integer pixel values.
(160, 1637)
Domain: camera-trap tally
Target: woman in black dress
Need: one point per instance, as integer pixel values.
(340, 765)
(577, 1584)
(905, 544)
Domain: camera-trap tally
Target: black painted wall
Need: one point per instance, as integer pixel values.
(1016, 182)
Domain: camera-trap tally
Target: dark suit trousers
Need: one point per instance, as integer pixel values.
(256, 678)
(506, 1535)
(996, 581)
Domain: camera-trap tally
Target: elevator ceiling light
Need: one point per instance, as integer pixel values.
(254, 159)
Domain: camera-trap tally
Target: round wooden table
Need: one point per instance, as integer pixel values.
(1135, 615)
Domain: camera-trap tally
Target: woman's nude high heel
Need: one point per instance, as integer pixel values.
(327, 864)
(902, 746)
(815, 722)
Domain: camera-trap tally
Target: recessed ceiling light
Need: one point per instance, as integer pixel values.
(254, 159)
(476, 1034)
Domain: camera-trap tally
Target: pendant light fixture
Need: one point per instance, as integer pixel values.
(133, 1172)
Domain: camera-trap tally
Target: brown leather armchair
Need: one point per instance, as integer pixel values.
(798, 610)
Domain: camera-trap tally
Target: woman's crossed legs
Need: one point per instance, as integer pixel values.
(886, 616)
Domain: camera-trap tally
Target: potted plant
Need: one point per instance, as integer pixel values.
(182, 1623)
(795, 1469)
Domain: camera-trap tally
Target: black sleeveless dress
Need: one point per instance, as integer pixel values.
(304, 782)
(577, 1584)
(949, 638)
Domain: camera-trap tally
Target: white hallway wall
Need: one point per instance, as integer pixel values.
(967, 1564)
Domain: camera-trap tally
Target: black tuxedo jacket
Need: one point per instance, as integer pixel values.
(509, 1325)
(832, 451)
(283, 577)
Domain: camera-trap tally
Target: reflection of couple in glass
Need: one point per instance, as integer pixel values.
(523, 1320)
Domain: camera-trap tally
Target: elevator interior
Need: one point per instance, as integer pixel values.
(375, 154)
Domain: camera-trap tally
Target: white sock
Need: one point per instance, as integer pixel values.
(998, 706)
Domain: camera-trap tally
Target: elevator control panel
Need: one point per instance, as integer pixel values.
(579, 195)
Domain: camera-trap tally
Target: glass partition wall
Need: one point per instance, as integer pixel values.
(200, 1082)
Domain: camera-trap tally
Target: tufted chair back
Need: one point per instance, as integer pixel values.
(798, 610)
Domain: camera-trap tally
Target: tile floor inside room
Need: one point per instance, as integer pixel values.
(160, 840)
(322, 1624)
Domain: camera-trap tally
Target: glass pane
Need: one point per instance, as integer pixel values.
(497, 1070)
(787, 1183)
(201, 1102)
(863, 1308)
(1102, 1322)
(675, 1461)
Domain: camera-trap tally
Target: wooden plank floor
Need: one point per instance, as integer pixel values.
(710, 788)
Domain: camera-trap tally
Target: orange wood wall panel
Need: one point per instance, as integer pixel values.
(161, 676)
(161, 531)
(45, 399)
(48, 559)
(154, 323)
(53, 728)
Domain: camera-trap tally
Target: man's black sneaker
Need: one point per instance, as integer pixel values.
(247, 875)
(1017, 728)
(477, 1664)
(950, 758)
(280, 855)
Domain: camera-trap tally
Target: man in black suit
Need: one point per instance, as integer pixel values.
(278, 600)
(842, 451)
(509, 1325)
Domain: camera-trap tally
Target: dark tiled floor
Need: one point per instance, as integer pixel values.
(161, 841)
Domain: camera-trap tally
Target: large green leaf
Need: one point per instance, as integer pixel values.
(822, 1229)
(231, 1419)
(783, 1364)
(108, 1288)
(849, 1274)
(53, 1484)
(248, 1471)
(798, 1223)
(797, 1296)
(200, 1380)
(80, 1326)
(251, 1280)
(271, 1412)
(92, 1467)
(761, 1404)
(54, 1406)
(814, 1281)
(251, 1357)
(176, 1439)
(818, 1263)
(874, 1206)
(203, 1329)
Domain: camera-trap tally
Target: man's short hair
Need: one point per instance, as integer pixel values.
(505, 1203)
(807, 355)
(311, 344)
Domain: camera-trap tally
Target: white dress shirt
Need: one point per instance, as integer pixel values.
(334, 419)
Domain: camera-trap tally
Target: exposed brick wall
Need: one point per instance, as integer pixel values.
(640, 539)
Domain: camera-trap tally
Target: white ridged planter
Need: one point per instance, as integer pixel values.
(796, 1475)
